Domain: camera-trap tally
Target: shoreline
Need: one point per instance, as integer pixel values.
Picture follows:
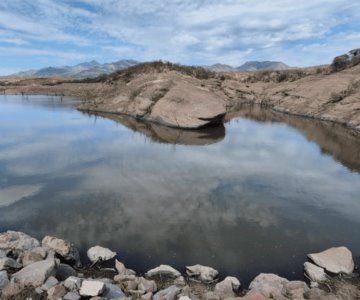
(51, 269)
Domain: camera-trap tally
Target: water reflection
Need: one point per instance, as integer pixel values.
(334, 139)
(168, 135)
(257, 200)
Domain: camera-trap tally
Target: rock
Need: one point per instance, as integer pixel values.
(12, 290)
(49, 283)
(4, 280)
(9, 263)
(184, 298)
(147, 296)
(13, 240)
(72, 296)
(91, 288)
(2, 254)
(188, 106)
(40, 251)
(204, 274)
(122, 270)
(296, 289)
(73, 283)
(314, 272)
(167, 294)
(253, 295)
(269, 285)
(61, 247)
(335, 260)
(64, 271)
(56, 292)
(128, 282)
(136, 294)
(146, 285)
(211, 296)
(180, 281)
(36, 273)
(30, 257)
(98, 253)
(112, 291)
(315, 293)
(163, 270)
(228, 287)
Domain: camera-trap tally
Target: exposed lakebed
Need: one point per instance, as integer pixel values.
(253, 196)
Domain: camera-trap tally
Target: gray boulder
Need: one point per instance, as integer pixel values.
(92, 288)
(98, 253)
(36, 274)
(203, 273)
(9, 263)
(335, 260)
(163, 270)
(4, 280)
(314, 272)
(227, 288)
(269, 285)
(56, 292)
(49, 283)
(13, 240)
(112, 291)
(64, 271)
(73, 283)
(72, 296)
(167, 294)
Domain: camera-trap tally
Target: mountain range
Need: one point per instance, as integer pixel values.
(93, 69)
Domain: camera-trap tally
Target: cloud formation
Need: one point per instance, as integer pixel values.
(192, 32)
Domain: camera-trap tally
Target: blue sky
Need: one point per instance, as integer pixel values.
(39, 33)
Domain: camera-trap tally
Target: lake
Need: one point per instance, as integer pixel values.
(253, 196)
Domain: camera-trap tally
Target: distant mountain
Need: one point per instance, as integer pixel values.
(263, 65)
(89, 69)
(220, 68)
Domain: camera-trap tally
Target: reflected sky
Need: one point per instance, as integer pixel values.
(254, 199)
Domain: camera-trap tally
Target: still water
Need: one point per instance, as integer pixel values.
(253, 196)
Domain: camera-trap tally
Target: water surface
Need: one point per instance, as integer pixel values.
(253, 196)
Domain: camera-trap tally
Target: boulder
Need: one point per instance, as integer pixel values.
(335, 260)
(204, 274)
(253, 295)
(167, 294)
(227, 288)
(17, 241)
(49, 283)
(64, 271)
(180, 281)
(112, 292)
(147, 296)
(146, 285)
(90, 288)
(12, 291)
(30, 257)
(163, 270)
(63, 248)
(128, 282)
(296, 289)
(72, 296)
(269, 285)
(122, 270)
(73, 283)
(184, 298)
(36, 274)
(2, 254)
(9, 263)
(98, 253)
(4, 280)
(56, 292)
(314, 272)
(211, 296)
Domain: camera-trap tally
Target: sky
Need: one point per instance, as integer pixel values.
(40, 33)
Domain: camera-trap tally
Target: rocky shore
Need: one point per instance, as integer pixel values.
(51, 269)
